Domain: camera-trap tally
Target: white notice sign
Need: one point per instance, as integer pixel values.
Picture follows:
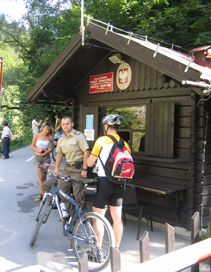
(89, 133)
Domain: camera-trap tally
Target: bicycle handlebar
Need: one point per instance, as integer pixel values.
(65, 178)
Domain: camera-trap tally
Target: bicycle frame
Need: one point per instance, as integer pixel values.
(80, 228)
(78, 211)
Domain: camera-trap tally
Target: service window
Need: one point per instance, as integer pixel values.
(134, 123)
(155, 120)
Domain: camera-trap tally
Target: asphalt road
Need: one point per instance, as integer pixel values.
(51, 252)
(18, 188)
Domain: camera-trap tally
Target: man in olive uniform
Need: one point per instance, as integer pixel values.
(73, 145)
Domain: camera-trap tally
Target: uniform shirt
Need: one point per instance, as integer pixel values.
(102, 148)
(35, 127)
(6, 132)
(72, 146)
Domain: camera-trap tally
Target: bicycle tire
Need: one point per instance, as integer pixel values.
(40, 218)
(54, 153)
(95, 262)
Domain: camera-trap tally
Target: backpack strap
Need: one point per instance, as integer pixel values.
(120, 142)
(115, 141)
(113, 138)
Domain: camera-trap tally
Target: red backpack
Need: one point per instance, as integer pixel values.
(119, 167)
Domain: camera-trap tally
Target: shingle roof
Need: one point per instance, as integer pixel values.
(75, 62)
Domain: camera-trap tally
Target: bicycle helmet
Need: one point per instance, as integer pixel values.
(112, 120)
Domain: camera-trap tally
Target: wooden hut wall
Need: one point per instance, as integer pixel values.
(203, 177)
(149, 86)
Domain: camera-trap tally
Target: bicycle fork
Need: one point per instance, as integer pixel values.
(39, 210)
(48, 211)
(47, 214)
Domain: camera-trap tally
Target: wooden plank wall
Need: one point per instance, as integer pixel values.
(160, 129)
(172, 172)
(203, 182)
(149, 85)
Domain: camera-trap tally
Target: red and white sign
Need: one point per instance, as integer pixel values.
(123, 76)
(101, 83)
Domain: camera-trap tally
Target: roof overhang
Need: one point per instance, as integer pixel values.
(59, 83)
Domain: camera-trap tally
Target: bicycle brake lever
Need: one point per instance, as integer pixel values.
(68, 179)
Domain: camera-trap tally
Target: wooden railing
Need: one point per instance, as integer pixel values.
(180, 259)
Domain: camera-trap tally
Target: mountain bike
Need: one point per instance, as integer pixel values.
(80, 228)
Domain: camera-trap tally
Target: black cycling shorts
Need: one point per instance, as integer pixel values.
(108, 193)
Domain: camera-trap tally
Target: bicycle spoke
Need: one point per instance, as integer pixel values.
(97, 247)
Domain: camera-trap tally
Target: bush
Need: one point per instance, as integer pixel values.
(19, 142)
(205, 233)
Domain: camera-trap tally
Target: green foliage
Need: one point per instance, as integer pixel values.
(20, 142)
(183, 23)
(19, 77)
(205, 233)
(133, 117)
(51, 28)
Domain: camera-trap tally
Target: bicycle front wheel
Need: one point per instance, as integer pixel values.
(41, 218)
(54, 152)
(94, 236)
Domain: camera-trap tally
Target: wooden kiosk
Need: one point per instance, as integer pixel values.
(165, 122)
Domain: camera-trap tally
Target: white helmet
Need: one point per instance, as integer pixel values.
(112, 120)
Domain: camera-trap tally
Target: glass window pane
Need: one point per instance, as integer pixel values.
(138, 142)
(133, 117)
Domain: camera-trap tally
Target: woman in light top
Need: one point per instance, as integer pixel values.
(42, 144)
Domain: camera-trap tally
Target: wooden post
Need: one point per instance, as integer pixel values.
(170, 238)
(144, 247)
(83, 263)
(115, 259)
(180, 259)
(210, 219)
(195, 227)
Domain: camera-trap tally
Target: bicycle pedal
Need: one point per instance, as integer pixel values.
(96, 257)
(66, 229)
(54, 207)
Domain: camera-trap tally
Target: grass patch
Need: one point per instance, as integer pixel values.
(19, 142)
(205, 233)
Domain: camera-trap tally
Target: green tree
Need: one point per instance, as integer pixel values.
(50, 28)
(184, 23)
(123, 14)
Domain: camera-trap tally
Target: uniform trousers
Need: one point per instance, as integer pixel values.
(67, 187)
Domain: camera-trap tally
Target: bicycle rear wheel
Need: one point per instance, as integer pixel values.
(97, 247)
(41, 218)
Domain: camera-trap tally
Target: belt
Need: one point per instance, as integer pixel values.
(69, 164)
(76, 163)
